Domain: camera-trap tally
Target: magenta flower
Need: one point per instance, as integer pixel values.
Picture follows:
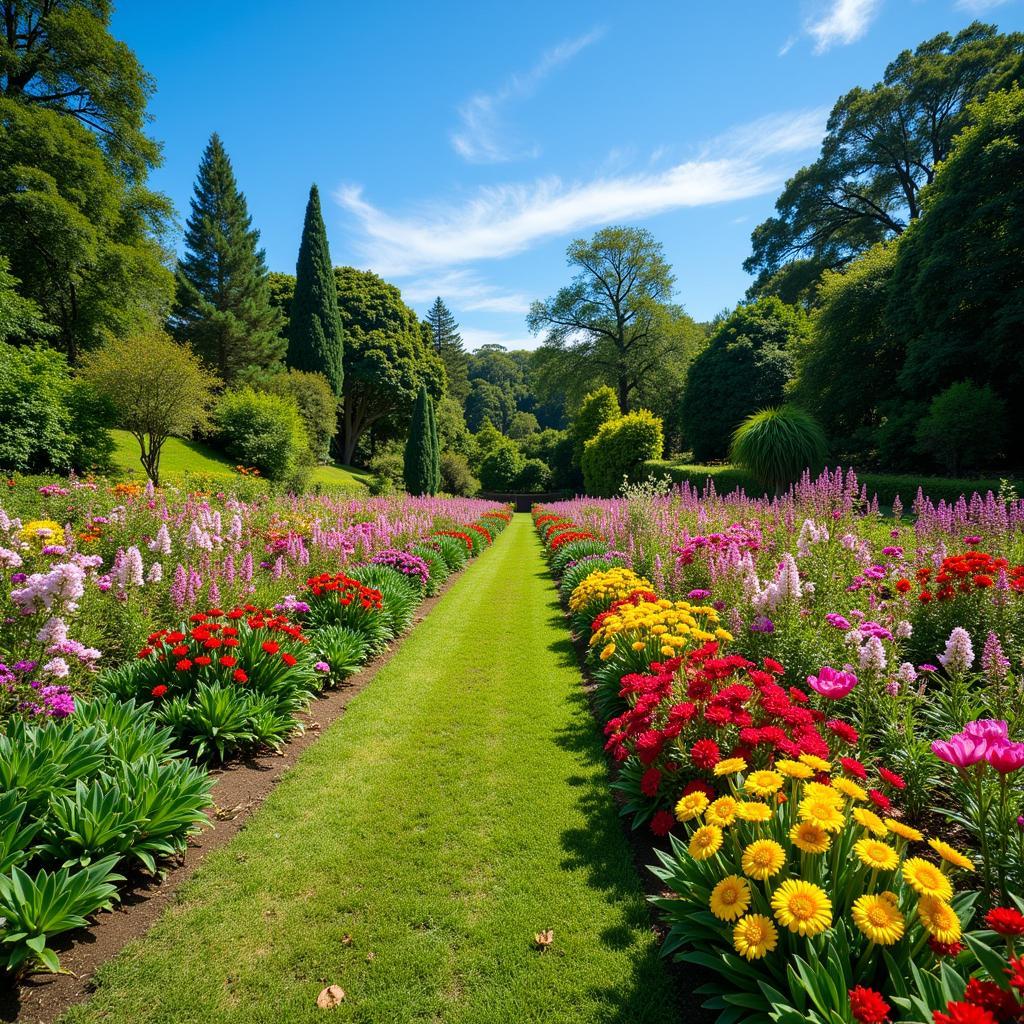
(993, 731)
(1006, 757)
(960, 750)
(831, 683)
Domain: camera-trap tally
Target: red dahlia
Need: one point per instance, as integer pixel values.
(989, 996)
(868, 1006)
(662, 822)
(894, 780)
(158, 691)
(964, 1013)
(1005, 921)
(705, 755)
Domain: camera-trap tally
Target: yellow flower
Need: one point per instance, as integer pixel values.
(939, 919)
(722, 811)
(607, 585)
(822, 812)
(794, 769)
(869, 820)
(723, 634)
(763, 858)
(608, 651)
(638, 645)
(897, 828)
(730, 898)
(730, 766)
(763, 783)
(951, 855)
(42, 532)
(878, 919)
(819, 791)
(810, 837)
(815, 762)
(691, 805)
(754, 936)
(876, 855)
(926, 879)
(850, 788)
(752, 810)
(802, 907)
(705, 842)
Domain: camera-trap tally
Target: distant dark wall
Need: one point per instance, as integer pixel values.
(524, 502)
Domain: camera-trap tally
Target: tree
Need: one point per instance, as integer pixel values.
(223, 307)
(59, 56)
(596, 409)
(82, 239)
(964, 427)
(20, 318)
(487, 401)
(501, 466)
(746, 367)
(447, 343)
(157, 388)
(882, 146)
(315, 330)
(422, 466)
(316, 404)
(613, 320)
(386, 358)
(452, 432)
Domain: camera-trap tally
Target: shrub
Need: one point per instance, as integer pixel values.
(619, 450)
(456, 476)
(965, 427)
(263, 430)
(343, 649)
(453, 550)
(317, 405)
(387, 467)
(435, 562)
(534, 476)
(500, 467)
(776, 445)
(401, 595)
(596, 409)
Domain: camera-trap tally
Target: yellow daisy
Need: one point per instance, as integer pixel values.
(794, 769)
(869, 820)
(802, 907)
(951, 855)
(878, 919)
(926, 879)
(810, 837)
(705, 842)
(939, 919)
(819, 791)
(691, 805)
(763, 783)
(722, 812)
(730, 898)
(850, 788)
(730, 766)
(763, 858)
(751, 810)
(898, 828)
(877, 855)
(821, 812)
(607, 651)
(754, 936)
(815, 762)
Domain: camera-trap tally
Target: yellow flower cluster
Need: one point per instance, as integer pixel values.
(41, 532)
(670, 626)
(761, 849)
(606, 587)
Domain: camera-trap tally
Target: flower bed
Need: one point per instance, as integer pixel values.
(793, 697)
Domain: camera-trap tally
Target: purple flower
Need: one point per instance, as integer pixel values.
(959, 653)
(837, 621)
(698, 594)
(762, 624)
(322, 666)
(927, 668)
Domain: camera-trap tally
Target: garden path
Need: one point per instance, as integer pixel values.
(457, 809)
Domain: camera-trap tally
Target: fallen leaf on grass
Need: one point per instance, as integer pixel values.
(544, 939)
(370, 956)
(346, 939)
(330, 997)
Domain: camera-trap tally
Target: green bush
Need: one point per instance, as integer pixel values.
(776, 445)
(501, 466)
(965, 427)
(316, 403)
(456, 476)
(388, 469)
(619, 450)
(596, 409)
(534, 476)
(263, 430)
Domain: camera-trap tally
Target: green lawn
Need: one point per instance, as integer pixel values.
(458, 807)
(180, 457)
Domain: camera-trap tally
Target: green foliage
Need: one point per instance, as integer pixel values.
(315, 333)
(555, 448)
(20, 318)
(48, 421)
(452, 550)
(342, 648)
(260, 429)
(452, 433)
(223, 307)
(438, 567)
(456, 476)
(965, 427)
(401, 594)
(422, 464)
(745, 367)
(388, 468)
(316, 403)
(534, 476)
(501, 466)
(777, 445)
(522, 425)
(596, 409)
(156, 388)
(619, 450)
(447, 343)
(488, 402)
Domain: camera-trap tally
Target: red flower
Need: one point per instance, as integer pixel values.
(989, 996)
(174, 638)
(650, 782)
(843, 730)
(270, 646)
(964, 1013)
(853, 767)
(288, 659)
(212, 643)
(868, 1006)
(662, 822)
(945, 948)
(180, 651)
(1016, 972)
(879, 799)
(145, 652)
(903, 585)
(982, 581)
(184, 665)
(203, 659)
(239, 676)
(894, 780)
(773, 666)
(158, 691)
(705, 755)
(1005, 921)
(699, 786)
(228, 661)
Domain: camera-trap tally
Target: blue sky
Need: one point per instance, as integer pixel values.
(459, 147)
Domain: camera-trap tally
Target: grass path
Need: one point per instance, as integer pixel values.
(457, 808)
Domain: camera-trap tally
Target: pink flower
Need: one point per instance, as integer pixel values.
(832, 683)
(1006, 757)
(991, 730)
(960, 750)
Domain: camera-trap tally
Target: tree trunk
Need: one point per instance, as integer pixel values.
(623, 389)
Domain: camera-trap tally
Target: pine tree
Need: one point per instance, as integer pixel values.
(315, 342)
(422, 458)
(447, 342)
(223, 300)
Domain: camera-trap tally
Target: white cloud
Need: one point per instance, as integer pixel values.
(788, 45)
(502, 220)
(481, 139)
(466, 291)
(978, 6)
(843, 23)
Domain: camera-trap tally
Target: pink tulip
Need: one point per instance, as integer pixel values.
(1006, 757)
(831, 683)
(960, 750)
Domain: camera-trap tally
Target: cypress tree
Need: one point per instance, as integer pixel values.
(422, 458)
(223, 306)
(447, 342)
(315, 332)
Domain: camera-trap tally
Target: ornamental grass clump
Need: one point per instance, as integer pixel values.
(777, 445)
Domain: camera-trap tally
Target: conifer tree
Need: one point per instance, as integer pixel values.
(422, 470)
(447, 343)
(315, 342)
(223, 304)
